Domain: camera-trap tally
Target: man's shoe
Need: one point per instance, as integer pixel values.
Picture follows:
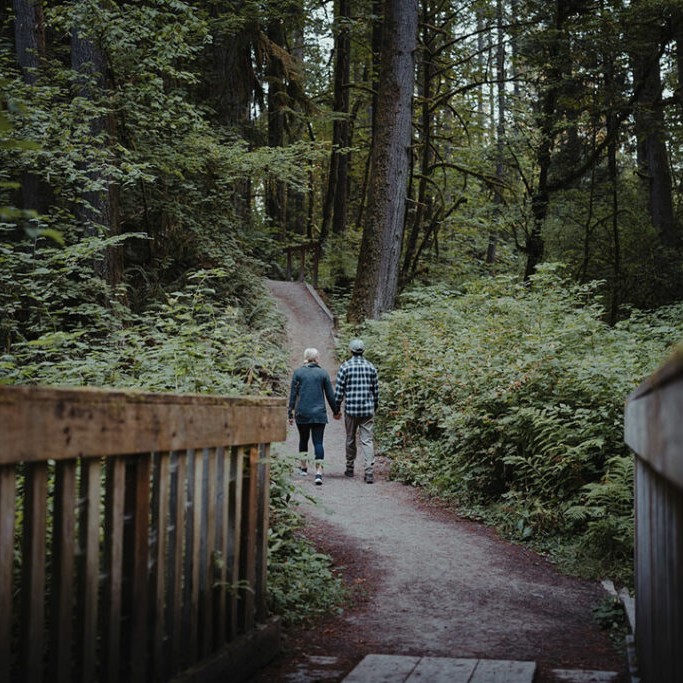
(319, 479)
(369, 479)
(348, 472)
(303, 470)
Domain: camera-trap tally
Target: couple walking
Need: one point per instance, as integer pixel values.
(357, 386)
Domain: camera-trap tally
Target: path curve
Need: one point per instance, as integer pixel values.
(435, 584)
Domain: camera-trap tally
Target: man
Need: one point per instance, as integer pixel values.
(357, 384)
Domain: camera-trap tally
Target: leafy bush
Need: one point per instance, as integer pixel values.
(509, 400)
(191, 340)
(301, 583)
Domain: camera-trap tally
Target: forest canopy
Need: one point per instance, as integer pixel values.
(537, 131)
(158, 157)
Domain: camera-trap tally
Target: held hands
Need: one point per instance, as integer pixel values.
(337, 416)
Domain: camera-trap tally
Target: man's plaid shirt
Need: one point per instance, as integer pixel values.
(358, 385)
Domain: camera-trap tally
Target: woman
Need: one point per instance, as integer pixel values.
(311, 385)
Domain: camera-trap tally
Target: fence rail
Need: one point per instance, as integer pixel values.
(300, 250)
(133, 530)
(654, 430)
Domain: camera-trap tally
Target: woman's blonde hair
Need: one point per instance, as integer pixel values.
(311, 355)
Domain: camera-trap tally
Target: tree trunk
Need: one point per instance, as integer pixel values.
(276, 192)
(297, 216)
(677, 30)
(514, 48)
(377, 27)
(379, 260)
(335, 206)
(29, 36)
(97, 211)
(534, 246)
(653, 158)
(230, 90)
(423, 204)
(29, 40)
(500, 130)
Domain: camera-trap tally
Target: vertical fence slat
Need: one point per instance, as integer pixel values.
(7, 517)
(208, 644)
(113, 567)
(262, 522)
(302, 264)
(316, 262)
(659, 566)
(249, 521)
(236, 486)
(89, 523)
(194, 553)
(176, 555)
(203, 555)
(643, 556)
(63, 562)
(140, 579)
(33, 571)
(162, 487)
(222, 499)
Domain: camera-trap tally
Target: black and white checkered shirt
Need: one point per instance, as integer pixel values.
(358, 385)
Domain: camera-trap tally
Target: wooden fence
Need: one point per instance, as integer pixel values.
(301, 250)
(654, 430)
(133, 531)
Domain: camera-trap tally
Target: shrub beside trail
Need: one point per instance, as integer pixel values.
(509, 400)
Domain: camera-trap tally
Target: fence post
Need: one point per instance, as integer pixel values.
(654, 430)
(316, 262)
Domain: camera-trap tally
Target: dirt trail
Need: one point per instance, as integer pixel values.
(430, 582)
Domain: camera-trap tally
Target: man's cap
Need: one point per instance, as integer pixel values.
(357, 346)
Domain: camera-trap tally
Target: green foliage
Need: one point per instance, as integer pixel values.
(301, 582)
(509, 400)
(604, 509)
(191, 340)
(609, 614)
(7, 142)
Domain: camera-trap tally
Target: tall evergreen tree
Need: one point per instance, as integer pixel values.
(97, 208)
(335, 203)
(646, 43)
(377, 275)
(29, 40)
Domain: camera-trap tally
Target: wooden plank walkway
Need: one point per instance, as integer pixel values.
(406, 669)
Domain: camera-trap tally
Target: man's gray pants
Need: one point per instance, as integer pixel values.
(362, 426)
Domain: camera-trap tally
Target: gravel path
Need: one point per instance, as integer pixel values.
(428, 582)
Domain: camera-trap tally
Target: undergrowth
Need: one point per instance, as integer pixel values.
(301, 582)
(212, 331)
(508, 401)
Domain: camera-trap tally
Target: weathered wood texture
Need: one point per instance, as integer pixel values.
(410, 669)
(41, 423)
(132, 530)
(654, 430)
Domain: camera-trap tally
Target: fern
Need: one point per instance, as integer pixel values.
(510, 400)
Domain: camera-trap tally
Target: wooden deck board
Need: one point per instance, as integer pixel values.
(443, 670)
(576, 676)
(494, 671)
(406, 669)
(382, 669)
